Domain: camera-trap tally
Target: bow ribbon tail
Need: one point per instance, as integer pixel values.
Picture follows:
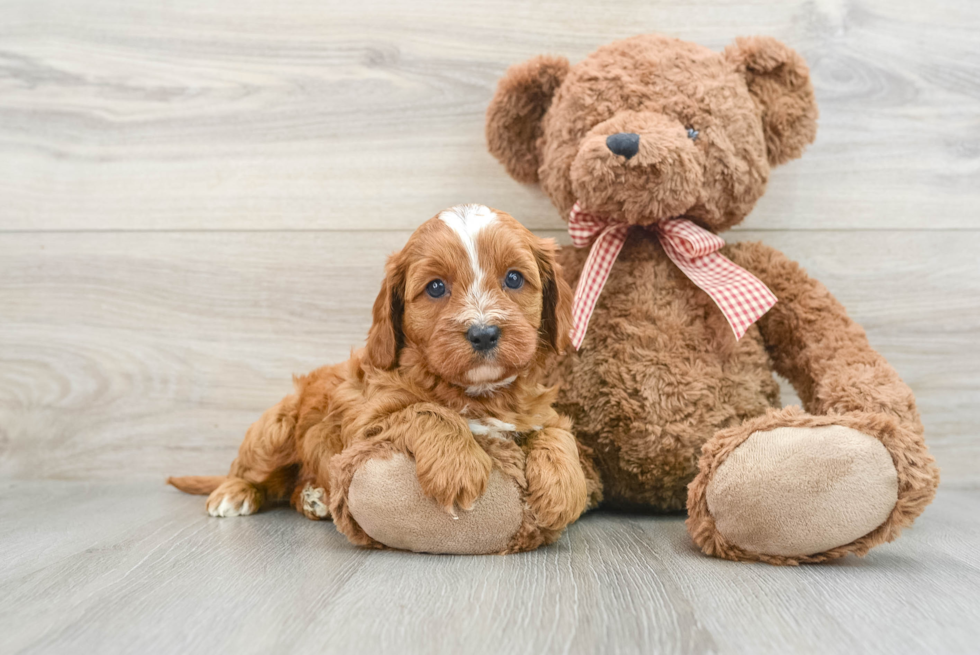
(741, 297)
(596, 271)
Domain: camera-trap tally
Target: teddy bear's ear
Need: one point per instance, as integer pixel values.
(523, 96)
(779, 81)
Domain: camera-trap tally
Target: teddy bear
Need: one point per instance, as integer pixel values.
(649, 148)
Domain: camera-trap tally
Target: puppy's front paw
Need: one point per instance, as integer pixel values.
(234, 498)
(456, 477)
(557, 491)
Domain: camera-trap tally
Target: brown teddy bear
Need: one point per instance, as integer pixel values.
(653, 145)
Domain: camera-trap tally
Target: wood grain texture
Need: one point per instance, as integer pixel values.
(303, 114)
(130, 355)
(138, 568)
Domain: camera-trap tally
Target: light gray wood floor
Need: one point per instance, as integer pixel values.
(128, 568)
(196, 198)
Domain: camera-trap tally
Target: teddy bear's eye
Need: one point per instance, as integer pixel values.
(692, 133)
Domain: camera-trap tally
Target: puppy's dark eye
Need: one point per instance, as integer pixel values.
(513, 280)
(692, 133)
(436, 289)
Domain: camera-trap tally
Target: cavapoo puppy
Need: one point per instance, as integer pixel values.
(468, 312)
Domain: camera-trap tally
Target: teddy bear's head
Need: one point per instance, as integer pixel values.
(651, 127)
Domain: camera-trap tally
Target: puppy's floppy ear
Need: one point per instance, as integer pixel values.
(514, 116)
(385, 337)
(556, 310)
(779, 81)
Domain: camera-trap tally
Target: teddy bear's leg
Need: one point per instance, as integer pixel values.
(794, 487)
(377, 501)
(789, 487)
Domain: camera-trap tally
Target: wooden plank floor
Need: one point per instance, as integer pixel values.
(196, 199)
(137, 568)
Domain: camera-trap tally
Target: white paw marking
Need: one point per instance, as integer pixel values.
(315, 501)
(230, 507)
(492, 427)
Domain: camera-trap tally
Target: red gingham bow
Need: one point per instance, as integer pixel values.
(740, 296)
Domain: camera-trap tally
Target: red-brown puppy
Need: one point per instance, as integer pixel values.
(468, 312)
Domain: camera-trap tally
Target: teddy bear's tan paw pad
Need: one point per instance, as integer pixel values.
(801, 491)
(386, 500)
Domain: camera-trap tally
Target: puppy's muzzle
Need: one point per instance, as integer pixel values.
(483, 338)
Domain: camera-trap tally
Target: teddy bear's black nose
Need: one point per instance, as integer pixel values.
(626, 144)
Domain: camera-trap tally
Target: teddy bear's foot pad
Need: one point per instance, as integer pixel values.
(386, 500)
(797, 491)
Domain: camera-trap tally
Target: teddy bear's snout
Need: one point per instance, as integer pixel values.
(638, 167)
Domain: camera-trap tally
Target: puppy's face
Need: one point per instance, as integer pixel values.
(476, 295)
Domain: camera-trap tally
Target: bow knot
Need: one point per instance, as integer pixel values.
(689, 239)
(740, 296)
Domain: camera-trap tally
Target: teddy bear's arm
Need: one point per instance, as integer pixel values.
(822, 352)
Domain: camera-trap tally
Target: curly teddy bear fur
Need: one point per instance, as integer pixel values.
(661, 393)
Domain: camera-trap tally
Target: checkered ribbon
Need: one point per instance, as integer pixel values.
(740, 296)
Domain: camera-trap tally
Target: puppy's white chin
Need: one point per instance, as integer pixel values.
(486, 380)
(484, 373)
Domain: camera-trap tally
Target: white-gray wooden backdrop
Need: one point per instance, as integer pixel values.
(197, 196)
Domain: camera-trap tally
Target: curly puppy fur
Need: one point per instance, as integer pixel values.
(421, 381)
(660, 375)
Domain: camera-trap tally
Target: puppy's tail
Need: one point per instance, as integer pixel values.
(199, 485)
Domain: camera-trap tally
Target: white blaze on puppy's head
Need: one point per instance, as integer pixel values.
(466, 222)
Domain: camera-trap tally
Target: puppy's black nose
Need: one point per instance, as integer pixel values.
(483, 337)
(626, 144)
